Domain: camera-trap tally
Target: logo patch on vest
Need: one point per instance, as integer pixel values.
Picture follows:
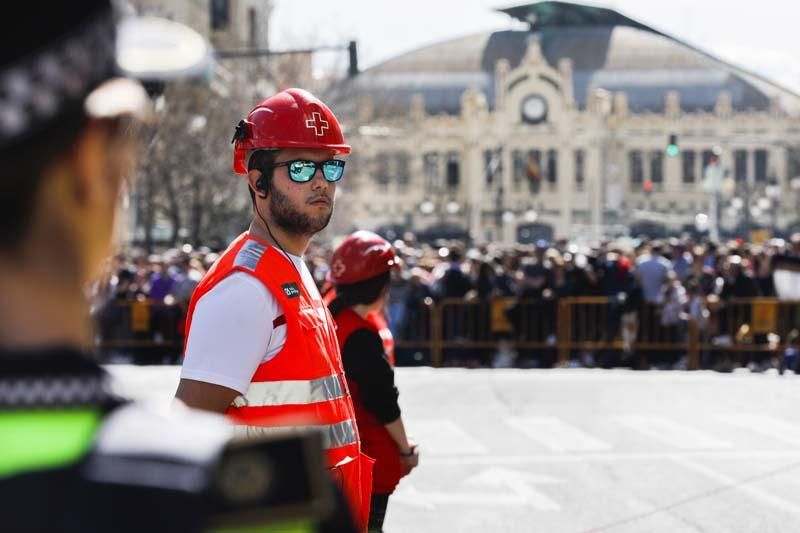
(291, 290)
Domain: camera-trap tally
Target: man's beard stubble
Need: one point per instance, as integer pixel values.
(293, 221)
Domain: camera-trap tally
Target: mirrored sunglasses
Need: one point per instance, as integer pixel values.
(303, 170)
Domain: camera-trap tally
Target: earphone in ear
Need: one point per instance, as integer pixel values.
(262, 185)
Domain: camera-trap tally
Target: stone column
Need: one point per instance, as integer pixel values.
(672, 173)
(565, 69)
(777, 162)
(566, 187)
(510, 231)
(475, 118)
(506, 179)
(501, 70)
(594, 173)
(417, 188)
(473, 178)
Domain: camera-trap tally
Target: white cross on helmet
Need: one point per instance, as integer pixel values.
(317, 123)
(338, 268)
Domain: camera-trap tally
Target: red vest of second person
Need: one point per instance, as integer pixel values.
(377, 319)
(303, 386)
(375, 439)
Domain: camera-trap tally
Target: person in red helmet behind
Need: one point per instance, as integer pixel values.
(360, 270)
(260, 343)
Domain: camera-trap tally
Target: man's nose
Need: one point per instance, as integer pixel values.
(318, 180)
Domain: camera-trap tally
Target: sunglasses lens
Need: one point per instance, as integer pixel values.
(333, 170)
(302, 171)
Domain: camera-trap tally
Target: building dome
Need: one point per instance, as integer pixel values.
(607, 50)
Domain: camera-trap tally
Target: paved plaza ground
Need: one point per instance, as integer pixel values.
(574, 450)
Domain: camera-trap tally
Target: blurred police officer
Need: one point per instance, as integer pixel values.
(72, 456)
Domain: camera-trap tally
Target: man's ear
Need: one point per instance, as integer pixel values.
(257, 183)
(88, 159)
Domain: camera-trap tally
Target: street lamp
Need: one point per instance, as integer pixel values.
(452, 207)
(531, 215)
(427, 207)
(701, 222)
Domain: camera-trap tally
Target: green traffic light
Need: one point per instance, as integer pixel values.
(672, 145)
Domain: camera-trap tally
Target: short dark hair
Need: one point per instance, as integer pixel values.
(362, 292)
(262, 160)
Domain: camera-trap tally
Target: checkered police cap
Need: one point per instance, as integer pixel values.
(54, 55)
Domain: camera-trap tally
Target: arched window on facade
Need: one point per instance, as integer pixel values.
(636, 168)
(432, 171)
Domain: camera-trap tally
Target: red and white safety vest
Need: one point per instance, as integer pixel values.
(376, 318)
(375, 439)
(303, 386)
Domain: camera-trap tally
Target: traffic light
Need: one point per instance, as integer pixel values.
(353, 52)
(672, 147)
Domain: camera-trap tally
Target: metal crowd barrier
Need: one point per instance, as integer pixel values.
(142, 330)
(736, 328)
(751, 327)
(740, 329)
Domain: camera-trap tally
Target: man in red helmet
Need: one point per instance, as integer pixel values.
(261, 346)
(361, 269)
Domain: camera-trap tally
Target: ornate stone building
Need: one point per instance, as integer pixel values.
(562, 131)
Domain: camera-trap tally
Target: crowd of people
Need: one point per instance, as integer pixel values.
(679, 280)
(654, 290)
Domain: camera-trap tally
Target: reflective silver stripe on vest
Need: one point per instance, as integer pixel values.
(293, 392)
(249, 255)
(333, 435)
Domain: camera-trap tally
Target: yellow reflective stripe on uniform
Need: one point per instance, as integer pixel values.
(293, 392)
(333, 435)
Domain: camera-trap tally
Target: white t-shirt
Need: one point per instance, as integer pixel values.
(232, 331)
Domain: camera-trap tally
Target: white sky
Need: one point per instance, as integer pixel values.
(761, 36)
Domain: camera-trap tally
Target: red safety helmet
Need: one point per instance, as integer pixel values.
(361, 256)
(293, 118)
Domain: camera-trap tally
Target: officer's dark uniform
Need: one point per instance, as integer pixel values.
(73, 457)
(60, 469)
